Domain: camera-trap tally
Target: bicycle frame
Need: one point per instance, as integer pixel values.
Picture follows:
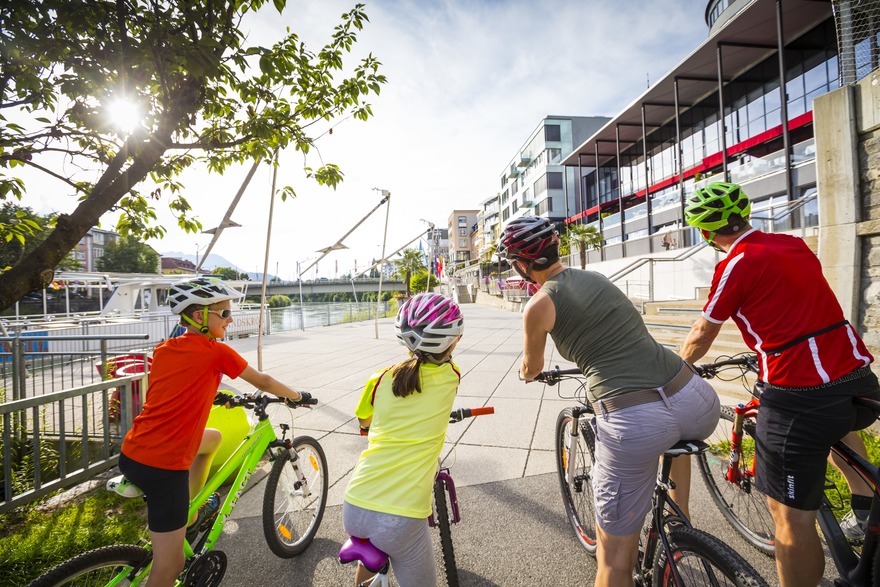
(734, 472)
(852, 568)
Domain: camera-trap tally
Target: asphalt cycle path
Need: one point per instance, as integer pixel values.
(513, 531)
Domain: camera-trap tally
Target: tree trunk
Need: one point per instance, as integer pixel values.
(36, 270)
(583, 252)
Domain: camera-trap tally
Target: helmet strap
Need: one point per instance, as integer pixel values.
(521, 273)
(709, 237)
(203, 327)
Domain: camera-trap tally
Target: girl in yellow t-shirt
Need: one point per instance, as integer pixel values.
(406, 408)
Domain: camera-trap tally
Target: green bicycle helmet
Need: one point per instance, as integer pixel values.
(711, 207)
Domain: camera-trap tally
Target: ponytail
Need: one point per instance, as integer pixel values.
(406, 377)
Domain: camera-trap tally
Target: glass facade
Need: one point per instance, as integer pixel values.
(754, 141)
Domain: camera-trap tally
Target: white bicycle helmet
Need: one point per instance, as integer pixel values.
(201, 290)
(428, 323)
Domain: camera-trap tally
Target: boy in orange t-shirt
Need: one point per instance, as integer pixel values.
(168, 452)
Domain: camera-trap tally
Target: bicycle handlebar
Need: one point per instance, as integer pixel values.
(456, 416)
(462, 413)
(710, 370)
(261, 400)
(554, 376)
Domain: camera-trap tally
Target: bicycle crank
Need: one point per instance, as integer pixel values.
(207, 570)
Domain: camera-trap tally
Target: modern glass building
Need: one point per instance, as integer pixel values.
(738, 108)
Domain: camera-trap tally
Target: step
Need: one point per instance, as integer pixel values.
(674, 306)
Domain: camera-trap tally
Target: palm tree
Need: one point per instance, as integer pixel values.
(410, 262)
(583, 236)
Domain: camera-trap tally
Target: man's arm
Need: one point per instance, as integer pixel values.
(699, 339)
(538, 320)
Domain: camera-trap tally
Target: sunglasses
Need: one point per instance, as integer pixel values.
(222, 313)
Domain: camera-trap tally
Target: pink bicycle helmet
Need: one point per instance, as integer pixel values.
(428, 323)
(526, 238)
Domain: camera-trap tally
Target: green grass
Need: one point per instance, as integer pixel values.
(34, 539)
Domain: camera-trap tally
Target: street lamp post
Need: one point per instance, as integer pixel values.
(430, 252)
(387, 196)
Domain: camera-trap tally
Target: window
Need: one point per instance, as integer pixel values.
(98, 238)
(552, 132)
(554, 180)
(462, 232)
(462, 220)
(462, 243)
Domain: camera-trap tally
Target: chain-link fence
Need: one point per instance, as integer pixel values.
(858, 38)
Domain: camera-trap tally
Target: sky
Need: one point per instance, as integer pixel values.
(468, 82)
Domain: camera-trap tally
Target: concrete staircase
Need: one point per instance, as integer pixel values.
(669, 323)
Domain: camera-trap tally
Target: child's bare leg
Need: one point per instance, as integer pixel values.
(201, 465)
(167, 557)
(362, 574)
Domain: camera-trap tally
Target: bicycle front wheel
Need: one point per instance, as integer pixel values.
(444, 525)
(702, 559)
(742, 505)
(577, 488)
(95, 567)
(295, 497)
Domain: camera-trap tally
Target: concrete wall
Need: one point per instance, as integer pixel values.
(847, 124)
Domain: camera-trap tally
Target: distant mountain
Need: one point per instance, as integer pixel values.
(213, 261)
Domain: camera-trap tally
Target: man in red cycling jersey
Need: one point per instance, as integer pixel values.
(812, 364)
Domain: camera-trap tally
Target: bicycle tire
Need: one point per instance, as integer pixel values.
(691, 550)
(291, 521)
(105, 562)
(744, 509)
(450, 569)
(577, 493)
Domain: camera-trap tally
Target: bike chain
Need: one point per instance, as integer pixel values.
(207, 571)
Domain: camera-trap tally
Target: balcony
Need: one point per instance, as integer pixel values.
(513, 173)
(524, 161)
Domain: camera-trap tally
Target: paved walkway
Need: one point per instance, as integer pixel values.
(514, 531)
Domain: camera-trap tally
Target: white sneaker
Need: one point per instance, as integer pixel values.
(853, 528)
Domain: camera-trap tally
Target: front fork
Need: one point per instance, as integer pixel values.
(577, 482)
(448, 487)
(735, 472)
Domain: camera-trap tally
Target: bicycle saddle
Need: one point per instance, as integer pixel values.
(361, 549)
(687, 447)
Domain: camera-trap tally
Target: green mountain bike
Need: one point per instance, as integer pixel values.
(293, 505)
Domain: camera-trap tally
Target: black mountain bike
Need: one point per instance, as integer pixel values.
(671, 550)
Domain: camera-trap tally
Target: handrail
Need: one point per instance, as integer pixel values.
(790, 207)
(642, 261)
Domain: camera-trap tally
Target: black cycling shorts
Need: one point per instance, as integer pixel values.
(166, 492)
(795, 431)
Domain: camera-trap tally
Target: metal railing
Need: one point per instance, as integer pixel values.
(58, 440)
(29, 366)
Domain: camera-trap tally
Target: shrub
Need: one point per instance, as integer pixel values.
(279, 301)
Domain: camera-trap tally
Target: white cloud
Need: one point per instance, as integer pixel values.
(468, 82)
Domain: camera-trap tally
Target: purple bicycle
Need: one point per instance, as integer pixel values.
(446, 513)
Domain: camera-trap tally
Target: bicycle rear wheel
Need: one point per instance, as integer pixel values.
(743, 506)
(290, 517)
(695, 554)
(95, 567)
(577, 491)
(444, 525)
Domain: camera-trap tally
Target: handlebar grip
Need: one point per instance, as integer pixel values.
(482, 411)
